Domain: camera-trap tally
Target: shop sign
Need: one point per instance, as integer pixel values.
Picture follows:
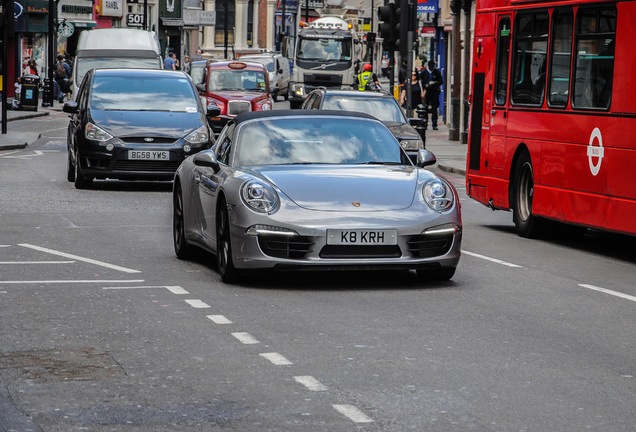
(75, 10)
(198, 17)
(111, 8)
(427, 6)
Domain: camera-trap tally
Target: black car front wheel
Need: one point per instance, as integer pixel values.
(70, 167)
(229, 274)
(81, 182)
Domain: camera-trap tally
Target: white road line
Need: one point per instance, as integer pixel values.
(311, 383)
(276, 359)
(198, 304)
(79, 258)
(606, 291)
(173, 289)
(352, 413)
(70, 281)
(245, 338)
(219, 319)
(3, 292)
(35, 262)
(495, 260)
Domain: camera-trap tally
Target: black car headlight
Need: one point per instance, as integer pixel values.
(438, 194)
(412, 144)
(198, 137)
(95, 133)
(259, 196)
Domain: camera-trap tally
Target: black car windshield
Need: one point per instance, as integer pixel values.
(143, 93)
(384, 109)
(317, 140)
(237, 79)
(88, 63)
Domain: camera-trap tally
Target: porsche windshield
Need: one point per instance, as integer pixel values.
(325, 49)
(317, 140)
(146, 93)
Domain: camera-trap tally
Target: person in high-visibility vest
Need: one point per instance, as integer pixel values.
(365, 78)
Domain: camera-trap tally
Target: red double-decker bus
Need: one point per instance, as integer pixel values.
(553, 114)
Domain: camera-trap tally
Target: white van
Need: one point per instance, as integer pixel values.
(278, 69)
(115, 48)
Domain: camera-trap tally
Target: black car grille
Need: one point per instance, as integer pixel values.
(144, 140)
(423, 246)
(152, 166)
(295, 247)
(337, 251)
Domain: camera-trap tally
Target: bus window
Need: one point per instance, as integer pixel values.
(530, 58)
(503, 56)
(596, 35)
(561, 57)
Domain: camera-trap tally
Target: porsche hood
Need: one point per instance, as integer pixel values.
(345, 188)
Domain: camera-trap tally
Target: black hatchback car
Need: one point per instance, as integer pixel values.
(134, 124)
(382, 106)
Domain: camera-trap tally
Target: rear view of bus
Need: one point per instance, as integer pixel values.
(552, 113)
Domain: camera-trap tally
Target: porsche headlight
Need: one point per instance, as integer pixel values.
(438, 195)
(198, 137)
(412, 144)
(95, 133)
(259, 196)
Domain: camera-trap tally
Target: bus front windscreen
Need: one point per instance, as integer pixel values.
(325, 49)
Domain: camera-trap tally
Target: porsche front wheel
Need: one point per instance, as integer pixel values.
(181, 247)
(225, 266)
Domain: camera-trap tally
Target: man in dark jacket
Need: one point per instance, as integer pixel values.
(433, 90)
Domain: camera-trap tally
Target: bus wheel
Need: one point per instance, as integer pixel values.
(527, 224)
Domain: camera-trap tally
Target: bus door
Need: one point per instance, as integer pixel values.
(499, 108)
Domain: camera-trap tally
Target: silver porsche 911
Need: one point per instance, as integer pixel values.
(298, 190)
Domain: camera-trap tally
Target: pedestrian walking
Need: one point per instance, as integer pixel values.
(433, 90)
(169, 62)
(417, 93)
(384, 65)
(186, 65)
(198, 56)
(62, 74)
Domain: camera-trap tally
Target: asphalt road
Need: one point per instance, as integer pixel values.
(102, 328)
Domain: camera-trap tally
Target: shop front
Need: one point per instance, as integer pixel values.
(73, 17)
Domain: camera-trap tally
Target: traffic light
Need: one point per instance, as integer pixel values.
(388, 21)
(402, 13)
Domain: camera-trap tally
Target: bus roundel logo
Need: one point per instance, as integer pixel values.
(594, 152)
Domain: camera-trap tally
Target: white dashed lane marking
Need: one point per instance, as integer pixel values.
(311, 383)
(276, 359)
(606, 291)
(245, 338)
(219, 319)
(495, 260)
(353, 413)
(198, 304)
(79, 258)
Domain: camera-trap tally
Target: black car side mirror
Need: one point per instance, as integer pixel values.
(207, 158)
(273, 90)
(70, 107)
(201, 87)
(425, 158)
(213, 110)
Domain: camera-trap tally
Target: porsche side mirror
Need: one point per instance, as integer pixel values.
(207, 158)
(425, 158)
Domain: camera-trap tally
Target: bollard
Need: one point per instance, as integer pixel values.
(422, 114)
(47, 93)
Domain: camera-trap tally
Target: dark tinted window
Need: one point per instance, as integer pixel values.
(503, 57)
(561, 57)
(595, 40)
(530, 58)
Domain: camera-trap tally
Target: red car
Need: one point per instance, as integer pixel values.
(235, 87)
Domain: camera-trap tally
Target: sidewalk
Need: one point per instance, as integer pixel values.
(451, 155)
(18, 140)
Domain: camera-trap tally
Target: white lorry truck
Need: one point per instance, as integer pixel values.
(326, 54)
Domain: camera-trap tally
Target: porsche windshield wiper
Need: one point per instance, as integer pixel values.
(382, 163)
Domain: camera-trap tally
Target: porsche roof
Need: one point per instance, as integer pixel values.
(299, 113)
